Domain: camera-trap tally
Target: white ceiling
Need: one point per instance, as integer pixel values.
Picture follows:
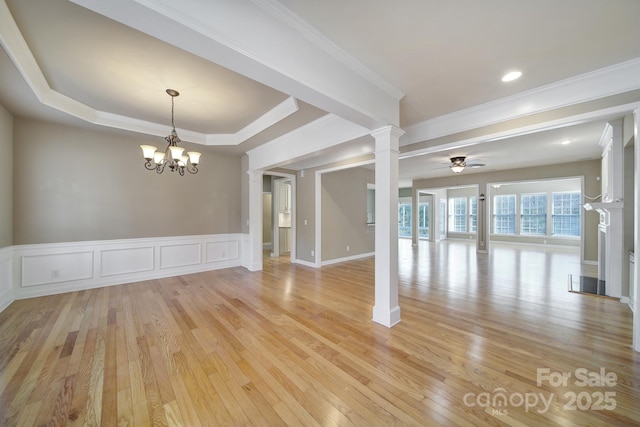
(444, 57)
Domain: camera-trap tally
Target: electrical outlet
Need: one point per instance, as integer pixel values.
(313, 253)
(347, 248)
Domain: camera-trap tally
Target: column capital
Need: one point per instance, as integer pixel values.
(391, 131)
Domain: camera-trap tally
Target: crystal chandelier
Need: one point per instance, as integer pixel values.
(172, 156)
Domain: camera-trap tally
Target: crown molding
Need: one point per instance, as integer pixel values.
(268, 119)
(261, 42)
(608, 81)
(16, 47)
(305, 141)
(277, 10)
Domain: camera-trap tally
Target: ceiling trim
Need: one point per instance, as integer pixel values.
(18, 50)
(248, 39)
(271, 117)
(277, 10)
(523, 130)
(304, 142)
(612, 80)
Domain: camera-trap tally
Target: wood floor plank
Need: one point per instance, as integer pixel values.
(293, 345)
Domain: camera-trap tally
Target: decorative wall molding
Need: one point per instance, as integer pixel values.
(6, 288)
(45, 269)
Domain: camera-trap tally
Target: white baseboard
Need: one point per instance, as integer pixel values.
(627, 301)
(349, 258)
(47, 269)
(306, 263)
(6, 281)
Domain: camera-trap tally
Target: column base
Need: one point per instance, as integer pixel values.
(385, 316)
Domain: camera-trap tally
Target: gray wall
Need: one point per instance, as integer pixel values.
(6, 178)
(305, 211)
(244, 194)
(589, 169)
(77, 184)
(344, 214)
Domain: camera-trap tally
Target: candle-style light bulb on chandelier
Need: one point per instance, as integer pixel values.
(172, 156)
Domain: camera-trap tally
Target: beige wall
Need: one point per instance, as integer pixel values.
(244, 194)
(267, 218)
(305, 211)
(6, 178)
(590, 170)
(78, 184)
(344, 214)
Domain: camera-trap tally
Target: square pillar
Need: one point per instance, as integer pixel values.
(636, 231)
(386, 310)
(254, 255)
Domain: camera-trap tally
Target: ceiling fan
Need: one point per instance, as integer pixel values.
(458, 164)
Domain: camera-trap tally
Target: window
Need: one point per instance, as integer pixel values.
(458, 215)
(473, 214)
(533, 214)
(423, 220)
(404, 219)
(504, 214)
(565, 214)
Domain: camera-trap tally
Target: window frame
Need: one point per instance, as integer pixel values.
(510, 216)
(457, 216)
(533, 218)
(575, 206)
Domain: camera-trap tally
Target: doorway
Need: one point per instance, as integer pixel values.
(281, 223)
(278, 216)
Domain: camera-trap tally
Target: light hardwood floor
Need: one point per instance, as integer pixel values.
(293, 345)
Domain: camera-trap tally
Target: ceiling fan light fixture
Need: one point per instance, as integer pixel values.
(457, 164)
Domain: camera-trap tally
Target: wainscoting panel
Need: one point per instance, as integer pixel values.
(182, 255)
(45, 269)
(55, 268)
(219, 251)
(127, 260)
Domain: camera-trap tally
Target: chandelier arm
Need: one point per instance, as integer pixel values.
(160, 168)
(149, 165)
(181, 170)
(191, 168)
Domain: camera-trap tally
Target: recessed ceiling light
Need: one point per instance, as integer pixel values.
(513, 75)
(565, 142)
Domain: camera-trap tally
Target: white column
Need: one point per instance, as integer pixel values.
(482, 209)
(254, 259)
(386, 310)
(636, 230)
